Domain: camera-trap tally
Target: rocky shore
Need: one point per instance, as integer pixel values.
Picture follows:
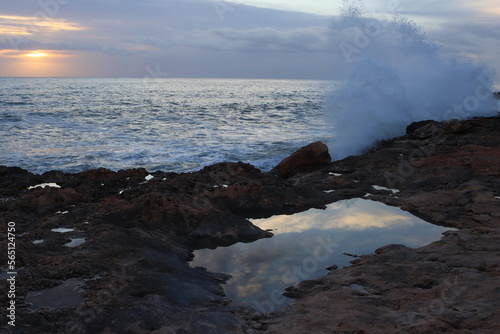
(108, 252)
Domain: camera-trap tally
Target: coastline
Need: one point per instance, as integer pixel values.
(447, 173)
(140, 229)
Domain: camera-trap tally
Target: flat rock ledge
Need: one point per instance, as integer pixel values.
(117, 245)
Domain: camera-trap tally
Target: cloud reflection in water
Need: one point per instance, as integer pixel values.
(306, 243)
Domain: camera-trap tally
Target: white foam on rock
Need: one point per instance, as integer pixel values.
(394, 191)
(75, 242)
(43, 185)
(62, 230)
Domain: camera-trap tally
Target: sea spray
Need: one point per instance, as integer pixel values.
(396, 76)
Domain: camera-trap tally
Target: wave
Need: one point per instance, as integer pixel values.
(397, 76)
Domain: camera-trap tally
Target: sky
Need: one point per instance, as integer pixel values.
(283, 39)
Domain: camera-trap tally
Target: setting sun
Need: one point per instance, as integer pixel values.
(38, 63)
(36, 54)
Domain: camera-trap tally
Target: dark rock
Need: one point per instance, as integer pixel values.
(438, 287)
(448, 174)
(132, 269)
(454, 126)
(138, 236)
(422, 129)
(12, 171)
(413, 127)
(390, 248)
(224, 230)
(307, 159)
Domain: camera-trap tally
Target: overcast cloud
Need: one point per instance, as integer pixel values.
(200, 38)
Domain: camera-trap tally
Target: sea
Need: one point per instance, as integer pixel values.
(168, 124)
(394, 78)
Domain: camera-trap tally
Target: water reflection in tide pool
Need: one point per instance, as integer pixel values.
(306, 243)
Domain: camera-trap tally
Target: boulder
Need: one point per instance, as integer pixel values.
(307, 159)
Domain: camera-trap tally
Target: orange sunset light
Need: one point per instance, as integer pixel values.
(36, 54)
(39, 63)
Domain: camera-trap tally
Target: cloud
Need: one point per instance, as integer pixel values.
(192, 23)
(475, 30)
(13, 25)
(308, 39)
(467, 38)
(362, 215)
(217, 34)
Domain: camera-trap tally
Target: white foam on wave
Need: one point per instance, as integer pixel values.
(397, 76)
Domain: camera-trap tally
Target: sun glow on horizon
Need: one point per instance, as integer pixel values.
(36, 54)
(39, 63)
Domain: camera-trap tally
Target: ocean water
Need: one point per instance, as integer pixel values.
(165, 124)
(394, 76)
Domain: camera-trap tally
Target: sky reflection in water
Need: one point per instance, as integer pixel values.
(306, 243)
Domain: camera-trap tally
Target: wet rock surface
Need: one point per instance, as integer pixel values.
(139, 228)
(448, 286)
(134, 234)
(447, 173)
